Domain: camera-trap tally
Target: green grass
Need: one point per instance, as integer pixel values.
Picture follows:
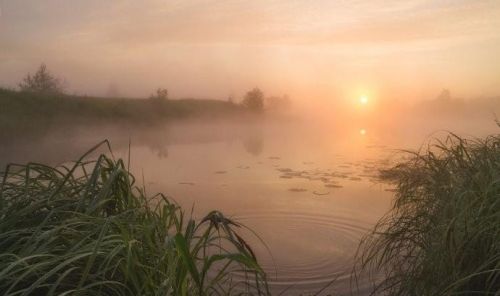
(442, 236)
(86, 229)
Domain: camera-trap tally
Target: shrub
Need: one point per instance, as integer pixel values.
(42, 82)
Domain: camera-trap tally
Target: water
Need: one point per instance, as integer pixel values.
(309, 193)
(276, 183)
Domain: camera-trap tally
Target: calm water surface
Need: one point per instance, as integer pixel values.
(310, 194)
(308, 199)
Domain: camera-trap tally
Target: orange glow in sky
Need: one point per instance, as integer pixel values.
(408, 50)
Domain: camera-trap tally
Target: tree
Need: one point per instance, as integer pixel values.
(254, 100)
(42, 82)
(161, 93)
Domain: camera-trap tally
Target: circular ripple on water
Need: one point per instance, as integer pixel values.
(306, 251)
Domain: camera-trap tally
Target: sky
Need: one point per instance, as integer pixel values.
(322, 50)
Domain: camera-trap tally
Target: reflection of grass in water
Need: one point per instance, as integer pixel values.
(88, 230)
(442, 237)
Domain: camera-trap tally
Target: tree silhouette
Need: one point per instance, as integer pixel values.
(42, 82)
(254, 100)
(161, 94)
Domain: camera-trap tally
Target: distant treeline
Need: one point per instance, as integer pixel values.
(447, 105)
(30, 109)
(41, 102)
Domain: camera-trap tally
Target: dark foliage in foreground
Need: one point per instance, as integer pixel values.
(86, 229)
(442, 237)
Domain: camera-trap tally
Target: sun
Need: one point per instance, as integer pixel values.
(363, 100)
(362, 132)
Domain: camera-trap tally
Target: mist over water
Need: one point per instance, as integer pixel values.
(308, 189)
(280, 114)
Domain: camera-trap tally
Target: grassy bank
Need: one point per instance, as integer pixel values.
(442, 236)
(32, 112)
(87, 229)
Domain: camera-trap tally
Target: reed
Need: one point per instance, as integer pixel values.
(87, 229)
(442, 235)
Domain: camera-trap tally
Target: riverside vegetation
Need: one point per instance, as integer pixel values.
(31, 110)
(87, 229)
(442, 236)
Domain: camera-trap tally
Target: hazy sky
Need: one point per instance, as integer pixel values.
(313, 50)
